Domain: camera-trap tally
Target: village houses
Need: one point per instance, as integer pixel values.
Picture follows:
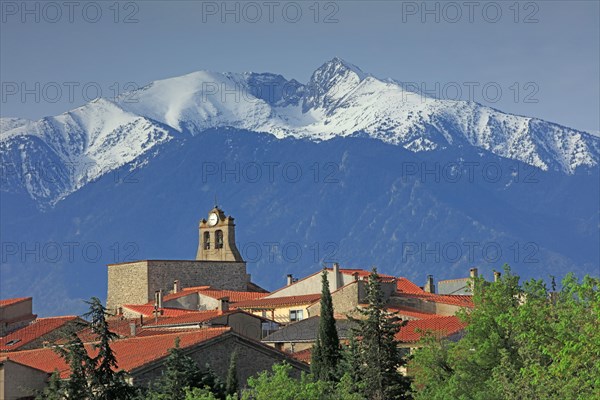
(214, 308)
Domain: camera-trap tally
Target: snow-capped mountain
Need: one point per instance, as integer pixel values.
(340, 100)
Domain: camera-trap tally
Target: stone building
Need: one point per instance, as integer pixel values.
(15, 314)
(218, 264)
(143, 357)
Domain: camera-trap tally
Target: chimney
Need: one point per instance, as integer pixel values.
(473, 272)
(141, 320)
(336, 276)
(429, 286)
(290, 279)
(132, 329)
(223, 304)
(497, 276)
(158, 299)
(176, 286)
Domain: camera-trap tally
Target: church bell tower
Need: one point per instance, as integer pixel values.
(217, 238)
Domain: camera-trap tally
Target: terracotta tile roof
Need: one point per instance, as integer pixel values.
(148, 331)
(403, 285)
(453, 299)
(147, 310)
(9, 302)
(234, 296)
(303, 355)
(33, 331)
(411, 312)
(276, 302)
(441, 326)
(131, 353)
(122, 327)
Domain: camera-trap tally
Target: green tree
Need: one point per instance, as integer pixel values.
(91, 378)
(54, 390)
(180, 374)
(200, 394)
(326, 353)
(378, 356)
(231, 384)
(278, 384)
(107, 382)
(522, 342)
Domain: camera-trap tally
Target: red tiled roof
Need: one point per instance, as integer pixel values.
(122, 327)
(303, 355)
(147, 310)
(33, 331)
(441, 326)
(403, 285)
(9, 302)
(411, 312)
(278, 301)
(234, 296)
(130, 353)
(453, 299)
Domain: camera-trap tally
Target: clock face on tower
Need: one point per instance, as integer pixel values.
(213, 218)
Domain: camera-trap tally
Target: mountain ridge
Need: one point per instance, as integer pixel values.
(339, 100)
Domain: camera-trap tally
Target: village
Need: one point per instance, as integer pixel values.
(211, 305)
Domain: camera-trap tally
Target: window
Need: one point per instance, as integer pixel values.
(206, 240)
(219, 239)
(296, 315)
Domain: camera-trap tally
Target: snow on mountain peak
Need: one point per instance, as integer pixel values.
(339, 100)
(330, 83)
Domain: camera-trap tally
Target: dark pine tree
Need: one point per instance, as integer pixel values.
(326, 353)
(379, 357)
(107, 383)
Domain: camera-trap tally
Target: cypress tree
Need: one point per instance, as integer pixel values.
(326, 353)
(378, 354)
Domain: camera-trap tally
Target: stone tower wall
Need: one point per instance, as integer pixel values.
(136, 282)
(127, 284)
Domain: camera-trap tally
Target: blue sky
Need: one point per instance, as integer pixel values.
(544, 56)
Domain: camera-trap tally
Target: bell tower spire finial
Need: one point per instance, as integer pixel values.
(216, 204)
